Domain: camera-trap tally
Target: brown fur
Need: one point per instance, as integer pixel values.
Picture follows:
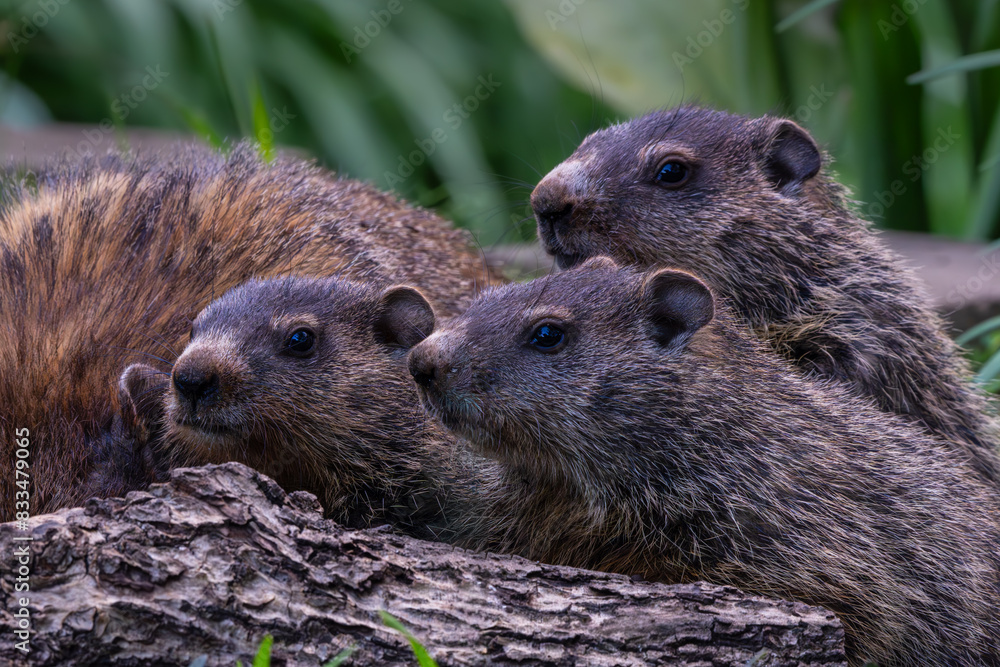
(340, 419)
(665, 440)
(106, 262)
(776, 236)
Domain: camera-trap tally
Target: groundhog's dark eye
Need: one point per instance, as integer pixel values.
(548, 338)
(300, 343)
(672, 172)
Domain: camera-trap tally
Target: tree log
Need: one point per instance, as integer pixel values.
(219, 556)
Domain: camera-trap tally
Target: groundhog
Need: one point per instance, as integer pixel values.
(745, 204)
(643, 429)
(305, 380)
(105, 262)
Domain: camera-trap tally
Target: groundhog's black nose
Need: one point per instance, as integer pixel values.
(551, 210)
(198, 385)
(558, 196)
(423, 369)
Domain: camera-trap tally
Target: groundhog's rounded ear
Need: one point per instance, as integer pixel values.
(792, 156)
(678, 304)
(140, 393)
(600, 262)
(404, 318)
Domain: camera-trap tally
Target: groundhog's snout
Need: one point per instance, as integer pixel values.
(200, 380)
(424, 366)
(434, 367)
(198, 385)
(557, 195)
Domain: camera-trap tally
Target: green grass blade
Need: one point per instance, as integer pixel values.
(339, 659)
(802, 13)
(985, 20)
(865, 126)
(424, 658)
(764, 77)
(195, 121)
(263, 657)
(333, 104)
(948, 181)
(979, 330)
(228, 84)
(261, 122)
(986, 202)
(970, 63)
(990, 370)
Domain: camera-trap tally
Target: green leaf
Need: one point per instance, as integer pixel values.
(333, 104)
(234, 60)
(195, 121)
(261, 122)
(263, 657)
(990, 370)
(759, 71)
(986, 200)
(802, 13)
(979, 330)
(339, 659)
(423, 657)
(947, 130)
(866, 113)
(984, 22)
(970, 63)
(426, 101)
(693, 57)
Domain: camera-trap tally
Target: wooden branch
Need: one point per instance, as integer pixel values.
(211, 561)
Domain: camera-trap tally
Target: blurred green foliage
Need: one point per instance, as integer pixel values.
(370, 91)
(922, 156)
(463, 105)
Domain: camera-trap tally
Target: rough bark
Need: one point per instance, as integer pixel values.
(210, 562)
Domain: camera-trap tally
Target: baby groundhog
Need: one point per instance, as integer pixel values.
(105, 262)
(744, 203)
(644, 430)
(306, 381)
